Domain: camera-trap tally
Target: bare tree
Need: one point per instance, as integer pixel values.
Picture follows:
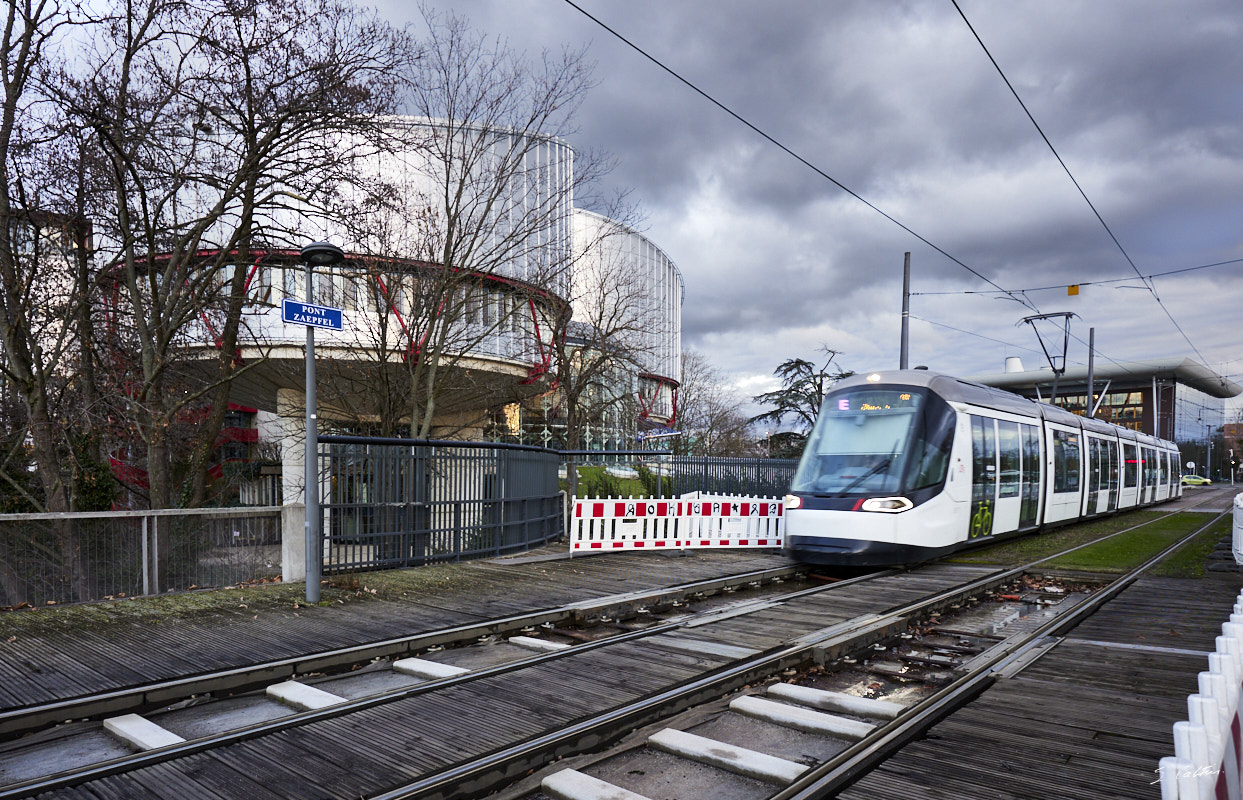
(296, 79)
(36, 280)
(496, 198)
(217, 120)
(710, 414)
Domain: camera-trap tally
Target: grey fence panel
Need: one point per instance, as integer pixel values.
(75, 557)
(766, 477)
(651, 473)
(404, 502)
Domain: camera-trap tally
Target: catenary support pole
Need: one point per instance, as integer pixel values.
(1091, 407)
(904, 358)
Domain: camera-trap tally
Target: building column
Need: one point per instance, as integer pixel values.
(291, 410)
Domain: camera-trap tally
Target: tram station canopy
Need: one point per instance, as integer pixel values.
(1167, 397)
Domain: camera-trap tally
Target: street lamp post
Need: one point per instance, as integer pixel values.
(1208, 460)
(316, 254)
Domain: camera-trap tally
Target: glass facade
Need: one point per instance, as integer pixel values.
(1189, 417)
(1198, 424)
(1125, 409)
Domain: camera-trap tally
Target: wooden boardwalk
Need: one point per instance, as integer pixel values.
(42, 661)
(1089, 720)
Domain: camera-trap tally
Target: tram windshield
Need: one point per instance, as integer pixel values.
(872, 440)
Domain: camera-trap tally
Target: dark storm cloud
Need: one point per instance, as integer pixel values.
(898, 102)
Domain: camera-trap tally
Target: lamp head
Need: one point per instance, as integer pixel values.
(322, 254)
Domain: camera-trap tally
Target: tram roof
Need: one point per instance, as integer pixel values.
(980, 394)
(950, 388)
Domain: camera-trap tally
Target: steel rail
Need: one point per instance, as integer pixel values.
(1013, 653)
(508, 764)
(501, 766)
(144, 697)
(156, 756)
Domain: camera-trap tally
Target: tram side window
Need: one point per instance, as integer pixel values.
(1131, 471)
(983, 447)
(1031, 456)
(1065, 462)
(1008, 447)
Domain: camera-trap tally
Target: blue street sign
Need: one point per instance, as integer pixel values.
(300, 313)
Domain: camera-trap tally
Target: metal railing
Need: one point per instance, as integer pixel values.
(654, 473)
(405, 502)
(73, 557)
(386, 503)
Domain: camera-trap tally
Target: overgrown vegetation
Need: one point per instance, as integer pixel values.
(654, 485)
(597, 482)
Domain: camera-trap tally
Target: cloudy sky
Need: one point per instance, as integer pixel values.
(1142, 99)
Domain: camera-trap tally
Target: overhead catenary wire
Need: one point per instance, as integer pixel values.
(1147, 282)
(769, 138)
(977, 335)
(1061, 286)
(1017, 295)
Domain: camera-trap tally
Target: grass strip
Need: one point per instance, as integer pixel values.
(1028, 548)
(1120, 553)
(1192, 559)
(1126, 551)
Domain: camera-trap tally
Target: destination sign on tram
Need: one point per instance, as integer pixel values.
(300, 313)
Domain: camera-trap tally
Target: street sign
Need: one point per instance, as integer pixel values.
(300, 313)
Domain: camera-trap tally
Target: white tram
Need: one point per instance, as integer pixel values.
(908, 465)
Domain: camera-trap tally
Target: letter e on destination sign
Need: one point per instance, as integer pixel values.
(300, 313)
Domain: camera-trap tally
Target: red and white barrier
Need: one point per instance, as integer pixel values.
(608, 524)
(1208, 748)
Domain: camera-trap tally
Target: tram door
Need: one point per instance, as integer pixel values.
(997, 504)
(1065, 459)
(1111, 474)
(1102, 494)
(1092, 496)
(983, 476)
(1145, 476)
(1029, 507)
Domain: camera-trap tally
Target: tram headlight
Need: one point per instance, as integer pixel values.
(886, 505)
(792, 501)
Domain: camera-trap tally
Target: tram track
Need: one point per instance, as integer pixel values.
(142, 697)
(1007, 658)
(859, 754)
(468, 777)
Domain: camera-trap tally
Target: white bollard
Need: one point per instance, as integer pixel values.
(1215, 720)
(1222, 665)
(1191, 742)
(1232, 647)
(1204, 712)
(1168, 771)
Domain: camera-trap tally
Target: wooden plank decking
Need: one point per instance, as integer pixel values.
(1088, 721)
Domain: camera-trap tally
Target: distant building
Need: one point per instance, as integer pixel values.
(1173, 398)
(502, 381)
